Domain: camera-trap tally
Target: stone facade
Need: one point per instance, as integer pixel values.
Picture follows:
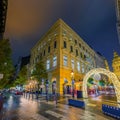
(65, 54)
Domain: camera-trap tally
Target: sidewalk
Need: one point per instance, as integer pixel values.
(92, 106)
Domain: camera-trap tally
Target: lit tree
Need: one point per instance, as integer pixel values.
(39, 72)
(22, 77)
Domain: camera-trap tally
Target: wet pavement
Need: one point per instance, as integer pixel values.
(29, 108)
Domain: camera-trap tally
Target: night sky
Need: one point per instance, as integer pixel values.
(93, 20)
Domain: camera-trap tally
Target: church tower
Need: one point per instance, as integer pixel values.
(116, 64)
(106, 65)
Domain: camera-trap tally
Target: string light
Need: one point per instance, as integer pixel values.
(111, 76)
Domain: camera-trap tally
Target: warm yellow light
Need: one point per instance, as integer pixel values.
(111, 75)
(72, 73)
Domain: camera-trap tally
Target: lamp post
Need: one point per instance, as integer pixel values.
(72, 81)
(47, 86)
(30, 88)
(35, 86)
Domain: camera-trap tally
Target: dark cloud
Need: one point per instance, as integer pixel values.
(93, 20)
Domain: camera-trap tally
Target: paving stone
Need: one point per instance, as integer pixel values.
(22, 108)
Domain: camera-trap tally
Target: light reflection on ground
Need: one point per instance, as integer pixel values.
(21, 108)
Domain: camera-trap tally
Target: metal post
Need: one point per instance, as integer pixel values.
(37, 91)
(47, 86)
(29, 92)
(72, 82)
(73, 88)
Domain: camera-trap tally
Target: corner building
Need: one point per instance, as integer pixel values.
(63, 52)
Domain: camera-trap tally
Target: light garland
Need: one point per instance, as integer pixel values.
(97, 76)
(111, 75)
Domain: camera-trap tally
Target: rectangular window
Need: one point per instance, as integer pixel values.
(84, 57)
(72, 64)
(48, 64)
(83, 69)
(79, 45)
(44, 53)
(49, 49)
(54, 61)
(76, 52)
(71, 48)
(75, 41)
(83, 48)
(78, 66)
(55, 44)
(65, 44)
(81, 55)
(65, 60)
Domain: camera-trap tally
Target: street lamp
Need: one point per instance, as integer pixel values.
(29, 87)
(72, 81)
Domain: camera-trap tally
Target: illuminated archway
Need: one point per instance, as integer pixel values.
(111, 75)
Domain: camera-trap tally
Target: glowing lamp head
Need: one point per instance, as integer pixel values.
(72, 73)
